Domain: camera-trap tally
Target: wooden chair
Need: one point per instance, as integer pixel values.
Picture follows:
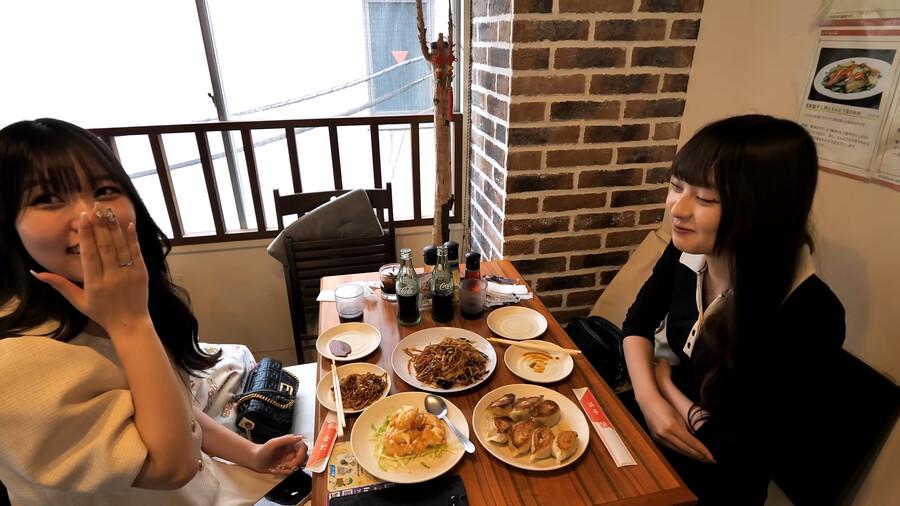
(309, 261)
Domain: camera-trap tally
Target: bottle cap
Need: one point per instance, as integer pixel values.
(473, 261)
(452, 250)
(430, 254)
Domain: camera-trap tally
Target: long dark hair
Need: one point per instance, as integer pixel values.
(50, 153)
(765, 170)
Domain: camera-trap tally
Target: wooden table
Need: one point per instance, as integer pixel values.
(592, 479)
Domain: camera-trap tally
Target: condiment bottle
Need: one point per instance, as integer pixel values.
(442, 288)
(473, 265)
(453, 259)
(407, 288)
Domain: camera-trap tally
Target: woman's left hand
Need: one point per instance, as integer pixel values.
(280, 455)
(663, 372)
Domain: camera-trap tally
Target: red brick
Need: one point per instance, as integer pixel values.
(500, 133)
(629, 238)
(598, 260)
(524, 160)
(606, 277)
(479, 55)
(579, 242)
(638, 197)
(545, 135)
(548, 85)
(596, 5)
(616, 133)
(662, 56)
(480, 8)
(534, 31)
(484, 124)
(495, 152)
(657, 175)
(498, 57)
(498, 7)
(554, 203)
(685, 29)
(650, 216)
(537, 225)
(526, 111)
(578, 157)
(588, 297)
(503, 31)
(671, 5)
(589, 57)
(502, 85)
(538, 182)
(496, 107)
(554, 300)
(533, 6)
(566, 282)
(630, 29)
(539, 265)
(485, 79)
(647, 154)
(493, 195)
(518, 247)
(667, 107)
(666, 131)
(536, 58)
(604, 220)
(611, 84)
(584, 110)
(609, 177)
(486, 32)
(675, 82)
(499, 178)
(518, 206)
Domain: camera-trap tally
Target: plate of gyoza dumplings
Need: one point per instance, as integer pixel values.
(531, 427)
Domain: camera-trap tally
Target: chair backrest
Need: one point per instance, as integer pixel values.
(865, 407)
(309, 261)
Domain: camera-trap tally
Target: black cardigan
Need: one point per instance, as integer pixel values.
(775, 413)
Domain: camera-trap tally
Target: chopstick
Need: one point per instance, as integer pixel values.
(536, 345)
(338, 400)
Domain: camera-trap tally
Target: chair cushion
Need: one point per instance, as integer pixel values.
(349, 216)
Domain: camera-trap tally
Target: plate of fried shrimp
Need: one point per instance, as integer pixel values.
(444, 359)
(361, 385)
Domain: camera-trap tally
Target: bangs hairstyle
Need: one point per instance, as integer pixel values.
(765, 170)
(53, 156)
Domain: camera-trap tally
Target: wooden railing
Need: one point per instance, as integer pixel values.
(163, 170)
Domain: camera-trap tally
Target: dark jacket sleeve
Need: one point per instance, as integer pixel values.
(779, 412)
(653, 300)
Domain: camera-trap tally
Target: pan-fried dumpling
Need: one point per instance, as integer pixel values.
(564, 445)
(541, 441)
(522, 409)
(498, 430)
(520, 437)
(502, 406)
(547, 413)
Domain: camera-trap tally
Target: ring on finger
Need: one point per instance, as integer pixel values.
(110, 215)
(129, 263)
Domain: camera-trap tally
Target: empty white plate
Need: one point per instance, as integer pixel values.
(517, 322)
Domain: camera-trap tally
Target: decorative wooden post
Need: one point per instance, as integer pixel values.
(441, 58)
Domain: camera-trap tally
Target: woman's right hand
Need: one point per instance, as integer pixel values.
(667, 427)
(114, 293)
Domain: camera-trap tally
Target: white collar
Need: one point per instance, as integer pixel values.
(805, 266)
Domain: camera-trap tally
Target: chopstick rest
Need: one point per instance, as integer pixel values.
(608, 434)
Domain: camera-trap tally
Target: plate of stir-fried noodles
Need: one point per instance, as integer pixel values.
(444, 359)
(361, 385)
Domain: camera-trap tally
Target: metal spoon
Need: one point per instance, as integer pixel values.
(437, 407)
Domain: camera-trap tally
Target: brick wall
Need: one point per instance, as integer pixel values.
(587, 112)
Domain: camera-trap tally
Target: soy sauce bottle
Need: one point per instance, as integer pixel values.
(442, 288)
(407, 288)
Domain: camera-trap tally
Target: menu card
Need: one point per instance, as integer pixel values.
(608, 434)
(346, 476)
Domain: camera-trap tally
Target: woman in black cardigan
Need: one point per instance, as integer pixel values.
(754, 329)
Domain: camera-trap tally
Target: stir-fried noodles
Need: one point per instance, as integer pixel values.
(448, 363)
(360, 390)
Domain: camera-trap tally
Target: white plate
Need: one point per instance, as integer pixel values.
(879, 65)
(572, 419)
(421, 339)
(517, 322)
(326, 396)
(364, 447)
(519, 360)
(362, 338)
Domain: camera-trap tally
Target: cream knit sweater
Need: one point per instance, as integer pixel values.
(67, 435)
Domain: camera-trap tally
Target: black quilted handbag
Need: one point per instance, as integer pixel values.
(601, 342)
(265, 407)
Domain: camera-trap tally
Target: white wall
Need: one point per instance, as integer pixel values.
(239, 295)
(754, 57)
